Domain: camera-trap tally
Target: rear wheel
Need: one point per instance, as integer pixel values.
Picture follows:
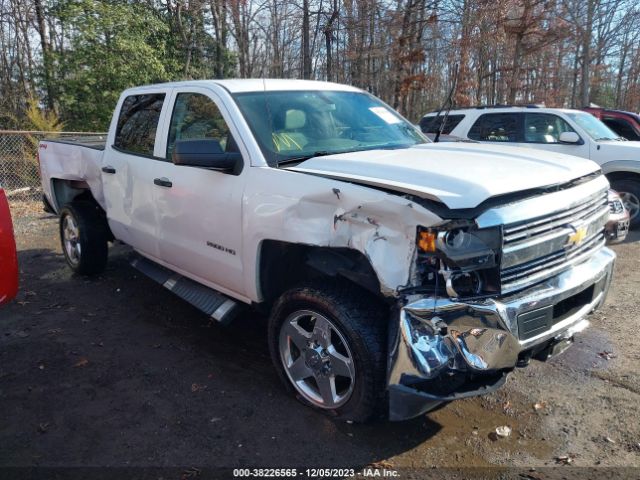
(84, 237)
(629, 191)
(328, 345)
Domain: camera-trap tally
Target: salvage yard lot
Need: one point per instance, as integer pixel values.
(117, 371)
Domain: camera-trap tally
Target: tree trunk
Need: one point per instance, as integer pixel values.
(306, 47)
(586, 54)
(46, 54)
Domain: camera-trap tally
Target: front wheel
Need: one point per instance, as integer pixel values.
(629, 191)
(328, 345)
(84, 238)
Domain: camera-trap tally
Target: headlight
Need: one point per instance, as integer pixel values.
(464, 284)
(615, 202)
(465, 258)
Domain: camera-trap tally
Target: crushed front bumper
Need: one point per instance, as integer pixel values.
(443, 349)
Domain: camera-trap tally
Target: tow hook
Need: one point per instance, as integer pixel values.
(554, 349)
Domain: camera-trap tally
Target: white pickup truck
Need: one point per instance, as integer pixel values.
(398, 273)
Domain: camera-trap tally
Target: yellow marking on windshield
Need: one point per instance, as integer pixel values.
(284, 140)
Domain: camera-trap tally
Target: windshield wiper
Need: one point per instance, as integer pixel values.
(302, 158)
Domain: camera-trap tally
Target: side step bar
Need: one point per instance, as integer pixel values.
(216, 305)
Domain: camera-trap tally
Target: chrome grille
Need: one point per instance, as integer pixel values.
(539, 248)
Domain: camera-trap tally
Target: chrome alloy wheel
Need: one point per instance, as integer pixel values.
(631, 203)
(71, 239)
(317, 359)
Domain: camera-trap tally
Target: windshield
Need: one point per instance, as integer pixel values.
(295, 125)
(594, 127)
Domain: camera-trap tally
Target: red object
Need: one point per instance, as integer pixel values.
(8, 258)
(625, 124)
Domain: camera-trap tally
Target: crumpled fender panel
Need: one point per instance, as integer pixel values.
(66, 161)
(301, 208)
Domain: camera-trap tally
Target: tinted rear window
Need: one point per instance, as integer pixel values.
(496, 127)
(431, 125)
(621, 127)
(138, 122)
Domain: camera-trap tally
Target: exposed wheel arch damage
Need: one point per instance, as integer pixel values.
(338, 229)
(67, 191)
(283, 265)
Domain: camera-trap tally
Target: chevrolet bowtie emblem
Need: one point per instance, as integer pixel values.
(577, 236)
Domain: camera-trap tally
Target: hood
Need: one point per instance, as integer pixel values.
(458, 175)
(615, 150)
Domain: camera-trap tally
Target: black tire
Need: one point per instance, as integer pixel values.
(630, 187)
(362, 321)
(92, 237)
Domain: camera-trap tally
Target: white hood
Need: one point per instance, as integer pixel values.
(459, 175)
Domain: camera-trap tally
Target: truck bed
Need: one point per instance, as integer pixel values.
(77, 159)
(90, 141)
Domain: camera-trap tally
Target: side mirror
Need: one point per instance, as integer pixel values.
(206, 154)
(569, 137)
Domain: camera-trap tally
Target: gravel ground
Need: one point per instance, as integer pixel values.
(115, 371)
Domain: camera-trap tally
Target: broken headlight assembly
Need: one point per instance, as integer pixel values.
(460, 259)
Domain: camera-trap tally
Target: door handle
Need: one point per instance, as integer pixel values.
(163, 182)
(109, 169)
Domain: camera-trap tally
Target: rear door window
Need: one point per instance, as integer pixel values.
(496, 127)
(544, 128)
(431, 125)
(138, 123)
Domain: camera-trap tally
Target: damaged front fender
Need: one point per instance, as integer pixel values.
(309, 210)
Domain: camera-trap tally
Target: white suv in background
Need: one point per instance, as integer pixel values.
(558, 130)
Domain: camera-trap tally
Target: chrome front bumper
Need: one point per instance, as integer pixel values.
(444, 349)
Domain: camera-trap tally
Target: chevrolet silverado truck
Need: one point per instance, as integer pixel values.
(397, 273)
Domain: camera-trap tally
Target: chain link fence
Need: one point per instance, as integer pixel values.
(19, 170)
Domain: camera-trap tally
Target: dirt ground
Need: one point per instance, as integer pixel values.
(115, 371)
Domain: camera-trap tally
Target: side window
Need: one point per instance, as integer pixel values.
(431, 125)
(196, 117)
(138, 122)
(544, 128)
(621, 127)
(495, 127)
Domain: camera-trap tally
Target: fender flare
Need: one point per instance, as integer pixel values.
(622, 166)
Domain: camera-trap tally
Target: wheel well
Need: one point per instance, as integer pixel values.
(613, 176)
(284, 265)
(67, 191)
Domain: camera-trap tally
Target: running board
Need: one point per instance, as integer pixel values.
(216, 305)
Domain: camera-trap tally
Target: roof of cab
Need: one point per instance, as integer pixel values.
(256, 85)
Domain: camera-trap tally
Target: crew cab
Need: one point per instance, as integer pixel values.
(559, 130)
(8, 258)
(397, 273)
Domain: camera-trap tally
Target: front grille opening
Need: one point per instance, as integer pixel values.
(536, 322)
(571, 305)
(535, 249)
